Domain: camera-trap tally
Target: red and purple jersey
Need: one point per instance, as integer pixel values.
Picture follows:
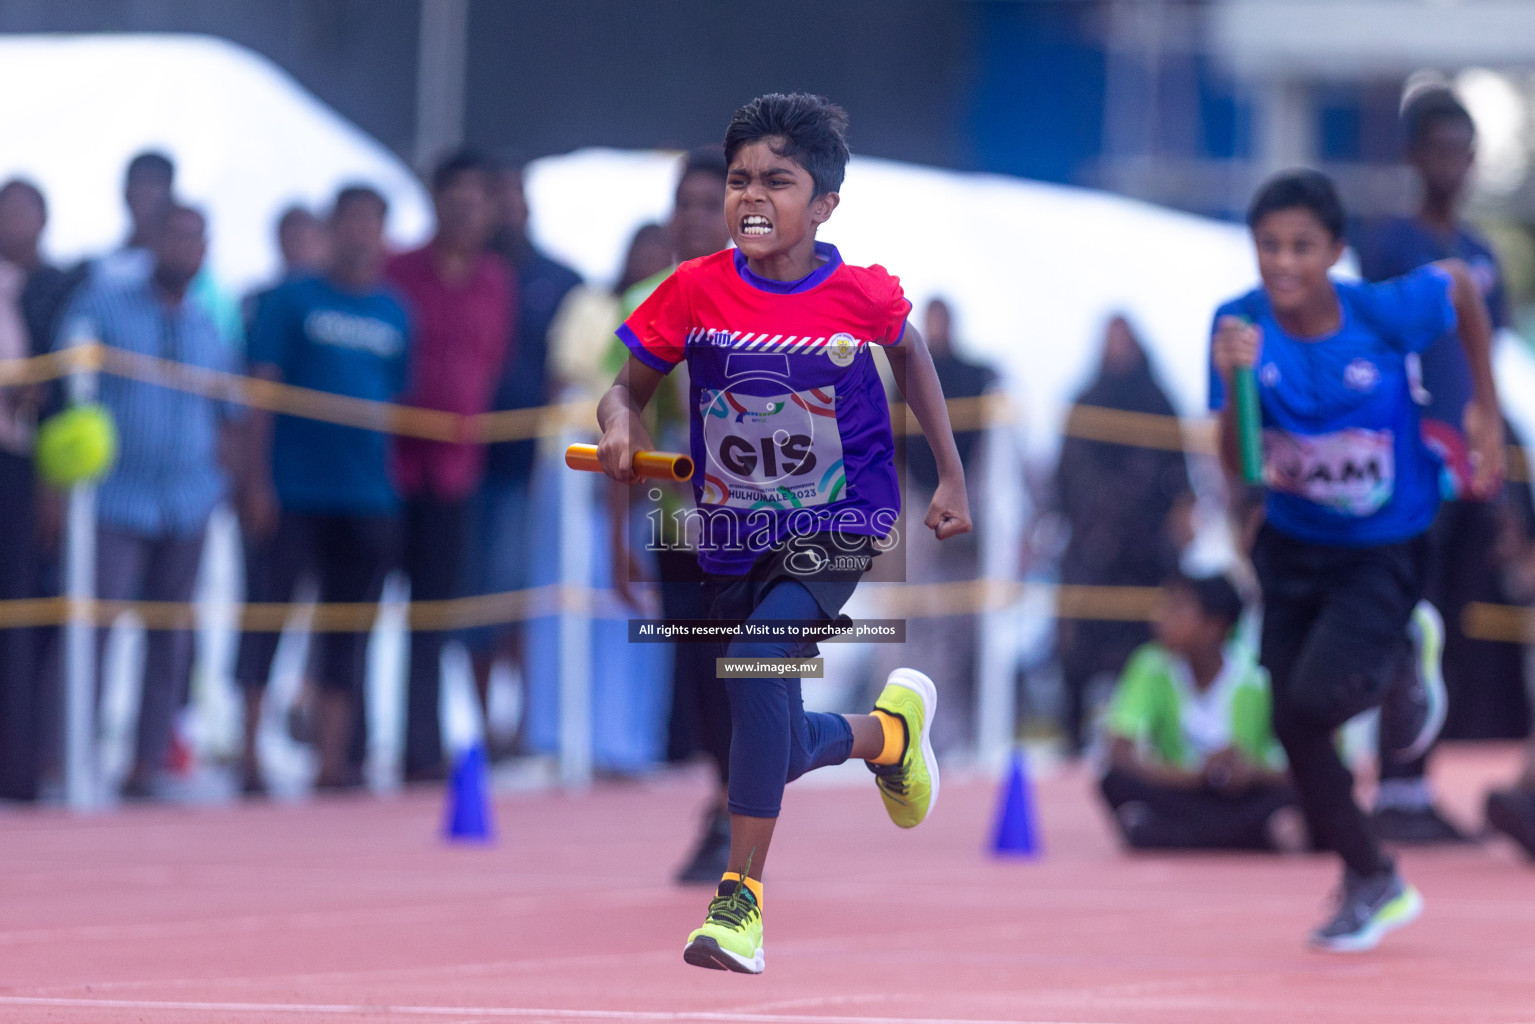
(790, 428)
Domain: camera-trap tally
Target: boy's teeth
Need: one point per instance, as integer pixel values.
(755, 225)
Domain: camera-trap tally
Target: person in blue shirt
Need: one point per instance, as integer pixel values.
(153, 507)
(1484, 678)
(316, 497)
(1351, 493)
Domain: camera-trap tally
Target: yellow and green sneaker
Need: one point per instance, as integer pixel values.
(731, 936)
(910, 787)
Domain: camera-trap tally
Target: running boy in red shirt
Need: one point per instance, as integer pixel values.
(795, 482)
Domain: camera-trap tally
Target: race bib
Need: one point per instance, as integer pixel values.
(1351, 471)
(771, 451)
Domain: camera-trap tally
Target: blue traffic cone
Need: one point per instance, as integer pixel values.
(468, 817)
(1017, 833)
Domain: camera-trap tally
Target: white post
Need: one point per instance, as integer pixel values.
(1286, 125)
(442, 60)
(80, 629)
(575, 631)
(1001, 518)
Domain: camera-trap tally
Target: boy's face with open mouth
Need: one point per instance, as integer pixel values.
(770, 203)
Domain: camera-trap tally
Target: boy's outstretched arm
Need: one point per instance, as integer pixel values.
(1484, 421)
(949, 514)
(618, 414)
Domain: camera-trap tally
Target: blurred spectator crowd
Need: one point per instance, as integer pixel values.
(460, 324)
(474, 321)
(477, 320)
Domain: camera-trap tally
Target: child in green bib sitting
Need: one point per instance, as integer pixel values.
(1192, 760)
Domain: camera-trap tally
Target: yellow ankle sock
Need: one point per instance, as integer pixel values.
(751, 883)
(895, 738)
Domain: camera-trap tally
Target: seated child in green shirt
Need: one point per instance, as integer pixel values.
(1192, 759)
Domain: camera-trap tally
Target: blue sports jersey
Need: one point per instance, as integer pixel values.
(346, 343)
(1397, 245)
(1344, 459)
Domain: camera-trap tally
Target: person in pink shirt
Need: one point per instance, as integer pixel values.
(461, 297)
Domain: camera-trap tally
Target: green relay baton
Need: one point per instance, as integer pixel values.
(1249, 425)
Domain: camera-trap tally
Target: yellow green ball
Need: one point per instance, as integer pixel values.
(76, 446)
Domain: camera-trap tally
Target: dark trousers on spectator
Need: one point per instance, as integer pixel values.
(20, 693)
(349, 556)
(135, 567)
(700, 718)
(434, 537)
(1200, 819)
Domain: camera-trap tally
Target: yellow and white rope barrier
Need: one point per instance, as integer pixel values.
(1109, 426)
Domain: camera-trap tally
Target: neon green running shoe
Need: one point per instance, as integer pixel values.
(1369, 906)
(910, 788)
(731, 936)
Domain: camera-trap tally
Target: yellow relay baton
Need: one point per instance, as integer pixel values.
(648, 465)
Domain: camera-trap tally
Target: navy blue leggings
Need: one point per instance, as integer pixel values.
(773, 741)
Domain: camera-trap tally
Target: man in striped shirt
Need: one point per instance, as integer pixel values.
(153, 507)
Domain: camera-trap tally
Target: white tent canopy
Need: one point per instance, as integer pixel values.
(247, 140)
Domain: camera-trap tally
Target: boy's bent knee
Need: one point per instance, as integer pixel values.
(799, 762)
(1327, 703)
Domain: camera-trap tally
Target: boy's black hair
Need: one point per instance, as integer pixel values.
(359, 194)
(1300, 188)
(704, 160)
(462, 161)
(810, 130)
(1430, 107)
(1216, 596)
(151, 162)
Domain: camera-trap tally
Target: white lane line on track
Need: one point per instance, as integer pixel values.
(482, 1012)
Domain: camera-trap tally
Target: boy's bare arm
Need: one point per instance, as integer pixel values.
(618, 414)
(949, 513)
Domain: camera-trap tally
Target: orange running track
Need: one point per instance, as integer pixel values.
(354, 910)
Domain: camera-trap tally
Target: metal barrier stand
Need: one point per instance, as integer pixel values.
(1000, 522)
(80, 781)
(575, 623)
